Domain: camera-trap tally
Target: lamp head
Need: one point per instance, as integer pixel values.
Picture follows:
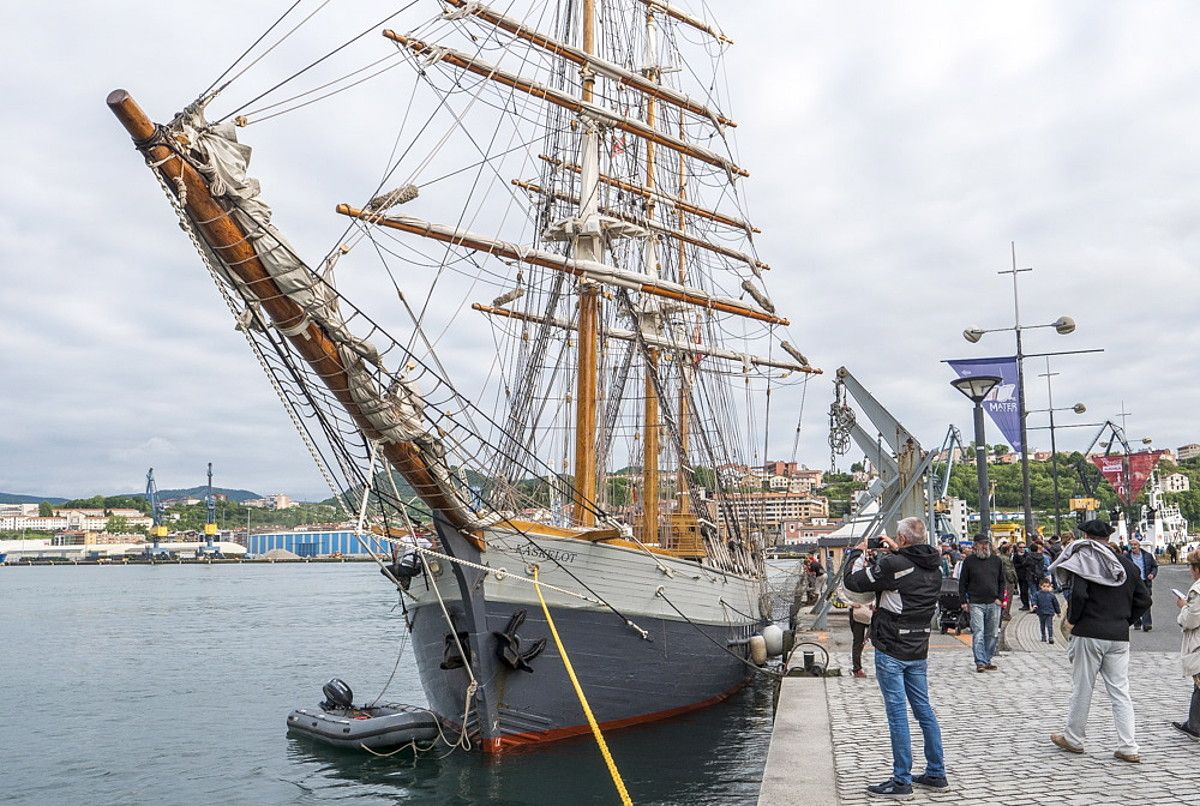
(1064, 325)
(973, 334)
(1146, 440)
(976, 387)
(1079, 408)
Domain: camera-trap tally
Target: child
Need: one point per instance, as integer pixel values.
(1045, 604)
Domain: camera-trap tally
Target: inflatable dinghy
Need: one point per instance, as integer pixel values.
(340, 723)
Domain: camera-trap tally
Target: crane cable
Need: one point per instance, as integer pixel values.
(587, 709)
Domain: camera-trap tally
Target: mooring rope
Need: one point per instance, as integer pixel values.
(587, 709)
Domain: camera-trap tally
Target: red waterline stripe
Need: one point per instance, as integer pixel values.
(514, 741)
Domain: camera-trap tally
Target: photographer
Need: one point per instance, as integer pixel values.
(905, 580)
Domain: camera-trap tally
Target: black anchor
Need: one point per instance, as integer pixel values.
(508, 644)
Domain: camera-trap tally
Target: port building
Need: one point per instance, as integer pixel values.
(315, 544)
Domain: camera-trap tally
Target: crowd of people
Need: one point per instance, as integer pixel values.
(1105, 590)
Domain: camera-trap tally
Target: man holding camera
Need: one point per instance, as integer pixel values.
(906, 580)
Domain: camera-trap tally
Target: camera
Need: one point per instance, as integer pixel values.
(874, 542)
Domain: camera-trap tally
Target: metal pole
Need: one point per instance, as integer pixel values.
(1025, 495)
(1053, 448)
(981, 471)
(1054, 475)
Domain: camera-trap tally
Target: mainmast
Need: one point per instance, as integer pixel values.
(588, 246)
(686, 367)
(650, 319)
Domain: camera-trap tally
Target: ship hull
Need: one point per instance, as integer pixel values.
(680, 664)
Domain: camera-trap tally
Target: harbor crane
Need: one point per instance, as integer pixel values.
(1087, 507)
(210, 521)
(158, 529)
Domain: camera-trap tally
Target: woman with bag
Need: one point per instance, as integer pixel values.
(1189, 651)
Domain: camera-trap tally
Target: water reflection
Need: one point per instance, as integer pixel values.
(712, 756)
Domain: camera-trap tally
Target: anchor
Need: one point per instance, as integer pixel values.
(508, 644)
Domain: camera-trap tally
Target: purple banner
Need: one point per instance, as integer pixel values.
(1002, 403)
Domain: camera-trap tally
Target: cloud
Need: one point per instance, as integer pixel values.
(148, 450)
(895, 149)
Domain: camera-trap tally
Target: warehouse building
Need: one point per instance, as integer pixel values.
(315, 544)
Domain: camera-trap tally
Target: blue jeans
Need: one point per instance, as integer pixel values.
(901, 680)
(985, 631)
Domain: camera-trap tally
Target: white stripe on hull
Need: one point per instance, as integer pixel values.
(625, 578)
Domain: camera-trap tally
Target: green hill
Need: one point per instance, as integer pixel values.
(14, 498)
(197, 492)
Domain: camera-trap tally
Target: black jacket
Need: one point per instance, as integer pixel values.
(1035, 568)
(981, 581)
(906, 586)
(1021, 563)
(1103, 611)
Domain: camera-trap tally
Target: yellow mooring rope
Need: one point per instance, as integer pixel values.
(587, 709)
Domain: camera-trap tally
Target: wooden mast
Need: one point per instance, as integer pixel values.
(587, 247)
(650, 415)
(685, 501)
(227, 239)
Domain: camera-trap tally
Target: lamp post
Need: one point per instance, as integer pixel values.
(976, 388)
(1062, 325)
(1078, 408)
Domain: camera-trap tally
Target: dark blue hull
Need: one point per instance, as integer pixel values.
(627, 679)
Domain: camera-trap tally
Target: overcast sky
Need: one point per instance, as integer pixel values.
(895, 150)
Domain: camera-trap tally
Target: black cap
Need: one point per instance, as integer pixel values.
(1097, 529)
(982, 538)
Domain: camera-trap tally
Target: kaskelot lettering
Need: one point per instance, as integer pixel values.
(549, 554)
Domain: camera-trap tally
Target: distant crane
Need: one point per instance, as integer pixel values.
(210, 519)
(158, 529)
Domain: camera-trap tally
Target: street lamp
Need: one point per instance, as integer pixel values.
(1078, 408)
(1062, 325)
(976, 388)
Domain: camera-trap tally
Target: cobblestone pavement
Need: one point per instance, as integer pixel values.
(996, 728)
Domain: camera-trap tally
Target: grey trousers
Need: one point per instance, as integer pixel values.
(1109, 659)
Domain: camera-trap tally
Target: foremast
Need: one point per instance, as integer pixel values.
(588, 245)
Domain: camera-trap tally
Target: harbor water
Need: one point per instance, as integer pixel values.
(170, 685)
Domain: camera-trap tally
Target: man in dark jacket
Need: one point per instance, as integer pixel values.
(1021, 563)
(1107, 595)
(1147, 565)
(1037, 566)
(981, 586)
(906, 581)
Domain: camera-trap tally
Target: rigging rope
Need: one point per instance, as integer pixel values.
(660, 593)
(587, 709)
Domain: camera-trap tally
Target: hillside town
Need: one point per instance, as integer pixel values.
(794, 508)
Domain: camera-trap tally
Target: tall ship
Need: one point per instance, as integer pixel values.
(565, 186)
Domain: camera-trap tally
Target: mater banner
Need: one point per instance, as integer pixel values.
(1001, 405)
(1127, 485)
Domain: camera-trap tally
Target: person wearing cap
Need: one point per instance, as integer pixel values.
(981, 585)
(1107, 596)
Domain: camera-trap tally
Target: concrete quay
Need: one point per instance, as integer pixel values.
(831, 740)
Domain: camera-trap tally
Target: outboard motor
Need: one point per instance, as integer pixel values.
(405, 568)
(338, 696)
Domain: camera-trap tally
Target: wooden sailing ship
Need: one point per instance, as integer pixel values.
(627, 303)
